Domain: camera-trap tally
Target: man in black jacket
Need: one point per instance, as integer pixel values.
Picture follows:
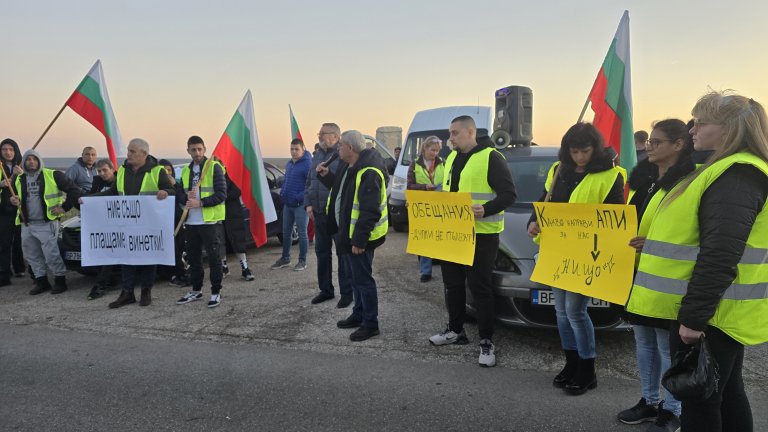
(11, 258)
(130, 179)
(357, 212)
(39, 196)
(108, 274)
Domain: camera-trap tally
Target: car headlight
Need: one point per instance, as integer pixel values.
(504, 263)
(398, 183)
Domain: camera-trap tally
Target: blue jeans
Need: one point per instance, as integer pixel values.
(298, 216)
(366, 307)
(425, 265)
(574, 323)
(324, 253)
(653, 359)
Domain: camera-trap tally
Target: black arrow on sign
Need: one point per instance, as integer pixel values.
(595, 253)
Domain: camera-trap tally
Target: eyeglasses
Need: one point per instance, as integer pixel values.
(655, 142)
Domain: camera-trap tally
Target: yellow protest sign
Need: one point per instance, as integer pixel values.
(441, 225)
(585, 249)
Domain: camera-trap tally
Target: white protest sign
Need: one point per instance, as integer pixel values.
(133, 230)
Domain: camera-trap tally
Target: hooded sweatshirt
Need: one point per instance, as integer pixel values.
(33, 190)
(6, 207)
(82, 175)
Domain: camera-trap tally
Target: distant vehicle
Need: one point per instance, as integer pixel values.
(425, 123)
(518, 300)
(69, 234)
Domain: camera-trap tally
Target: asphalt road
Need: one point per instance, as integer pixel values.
(269, 360)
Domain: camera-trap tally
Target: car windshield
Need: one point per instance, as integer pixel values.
(529, 174)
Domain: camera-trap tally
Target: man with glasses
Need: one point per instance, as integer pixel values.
(315, 202)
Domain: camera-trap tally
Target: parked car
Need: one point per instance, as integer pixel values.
(518, 300)
(69, 234)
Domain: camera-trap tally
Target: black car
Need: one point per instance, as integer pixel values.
(69, 234)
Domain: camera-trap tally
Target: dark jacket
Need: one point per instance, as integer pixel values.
(296, 174)
(64, 184)
(233, 204)
(133, 179)
(725, 222)
(369, 198)
(99, 184)
(499, 177)
(568, 179)
(219, 187)
(6, 208)
(315, 192)
(643, 180)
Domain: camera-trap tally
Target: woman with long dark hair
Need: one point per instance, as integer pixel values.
(584, 174)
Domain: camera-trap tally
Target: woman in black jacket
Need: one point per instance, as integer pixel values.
(703, 261)
(584, 174)
(669, 151)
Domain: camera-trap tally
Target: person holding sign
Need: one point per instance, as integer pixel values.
(40, 197)
(426, 173)
(668, 161)
(474, 166)
(206, 193)
(584, 174)
(703, 260)
(139, 175)
(357, 212)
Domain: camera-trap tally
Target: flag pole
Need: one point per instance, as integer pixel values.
(185, 213)
(584, 109)
(51, 124)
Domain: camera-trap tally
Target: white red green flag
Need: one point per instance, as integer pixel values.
(91, 101)
(611, 97)
(295, 133)
(239, 151)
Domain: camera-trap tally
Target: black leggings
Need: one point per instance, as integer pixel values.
(728, 408)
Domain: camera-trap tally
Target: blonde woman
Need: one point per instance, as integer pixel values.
(426, 173)
(703, 260)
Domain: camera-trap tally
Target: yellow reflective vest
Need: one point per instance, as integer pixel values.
(670, 253)
(213, 213)
(422, 176)
(381, 227)
(52, 196)
(474, 179)
(149, 184)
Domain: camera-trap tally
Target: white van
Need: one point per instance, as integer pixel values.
(425, 123)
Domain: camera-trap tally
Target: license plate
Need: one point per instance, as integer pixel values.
(72, 255)
(547, 298)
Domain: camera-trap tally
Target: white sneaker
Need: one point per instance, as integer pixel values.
(487, 353)
(215, 301)
(449, 337)
(190, 297)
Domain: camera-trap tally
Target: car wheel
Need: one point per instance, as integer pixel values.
(400, 227)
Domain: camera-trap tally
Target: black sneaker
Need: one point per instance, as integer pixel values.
(349, 322)
(363, 333)
(247, 275)
(666, 421)
(179, 281)
(215, 301)
(322, 297)
(224, 269)
(96, 292)
(641, 412)
(425, 278)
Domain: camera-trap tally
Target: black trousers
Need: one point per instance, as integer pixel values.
(199, 237)
(11, 257)
(479, 278)
(728, 408)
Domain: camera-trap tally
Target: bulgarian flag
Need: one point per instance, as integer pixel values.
(91, 101)
(611, 98)
(239, 150)
(295, 133)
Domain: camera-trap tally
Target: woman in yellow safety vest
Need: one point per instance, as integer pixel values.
(668, 161)
(584, 174)
(426, 173)
(703, 263)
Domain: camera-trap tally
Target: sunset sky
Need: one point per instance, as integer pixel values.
(180, 68)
